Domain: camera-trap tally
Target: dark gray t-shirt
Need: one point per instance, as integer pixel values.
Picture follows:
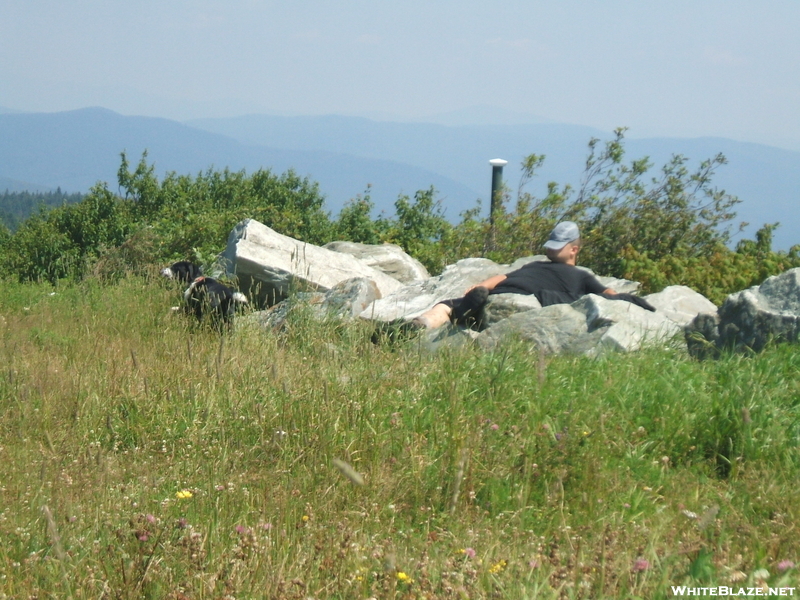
(550, 282)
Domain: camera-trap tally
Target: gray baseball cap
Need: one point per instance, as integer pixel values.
(562, 234)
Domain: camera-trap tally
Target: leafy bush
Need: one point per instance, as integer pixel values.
(355, 222)
(58, 243)
(185, 217)
(194, 215)
(38, 251)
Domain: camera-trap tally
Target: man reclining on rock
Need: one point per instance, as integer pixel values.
(556, 281)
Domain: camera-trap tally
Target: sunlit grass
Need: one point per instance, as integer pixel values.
(174, 463)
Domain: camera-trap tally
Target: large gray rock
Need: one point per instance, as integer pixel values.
(554, 329)
(387, 258)
(751, 318)
(270, 265)
(702, 336)
(502, 306)
(353, 281)
(681, 304)
(627, 326)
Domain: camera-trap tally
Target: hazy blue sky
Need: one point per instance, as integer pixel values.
(680, 68)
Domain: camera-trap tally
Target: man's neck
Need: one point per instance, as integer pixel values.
(569, 261)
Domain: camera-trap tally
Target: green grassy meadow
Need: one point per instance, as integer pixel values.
(142, 457)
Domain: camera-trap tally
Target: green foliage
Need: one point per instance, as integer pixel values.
(38, 251)
(715, 275)
(179, 217)
(355, 223)
(678, 212)
(419, 226)
(194, 215)
(58, 243)
(136, 255)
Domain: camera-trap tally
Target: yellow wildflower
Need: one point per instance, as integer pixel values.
(401, 576)
(497, 567)
(306, 518)
(183, 494)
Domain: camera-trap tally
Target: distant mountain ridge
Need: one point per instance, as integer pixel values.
(75, 149)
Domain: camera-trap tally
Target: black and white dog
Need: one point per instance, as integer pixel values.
(182, 271)
(207, 295)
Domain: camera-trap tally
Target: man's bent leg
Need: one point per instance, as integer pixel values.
(467, 310)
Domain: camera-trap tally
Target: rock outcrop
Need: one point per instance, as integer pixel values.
(750, 319)
(383, 284)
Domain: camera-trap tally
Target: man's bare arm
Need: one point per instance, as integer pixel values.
(489, 284)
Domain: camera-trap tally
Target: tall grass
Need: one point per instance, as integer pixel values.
(141, 457)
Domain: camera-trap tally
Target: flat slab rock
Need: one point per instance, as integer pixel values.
(269, 266)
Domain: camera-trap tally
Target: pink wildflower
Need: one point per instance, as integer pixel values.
(640, 565)
(469, 552)
(785, 565)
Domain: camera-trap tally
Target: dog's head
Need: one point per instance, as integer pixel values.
(182, 271)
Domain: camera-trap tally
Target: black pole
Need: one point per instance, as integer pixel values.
(496, 199)
(497, 186)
